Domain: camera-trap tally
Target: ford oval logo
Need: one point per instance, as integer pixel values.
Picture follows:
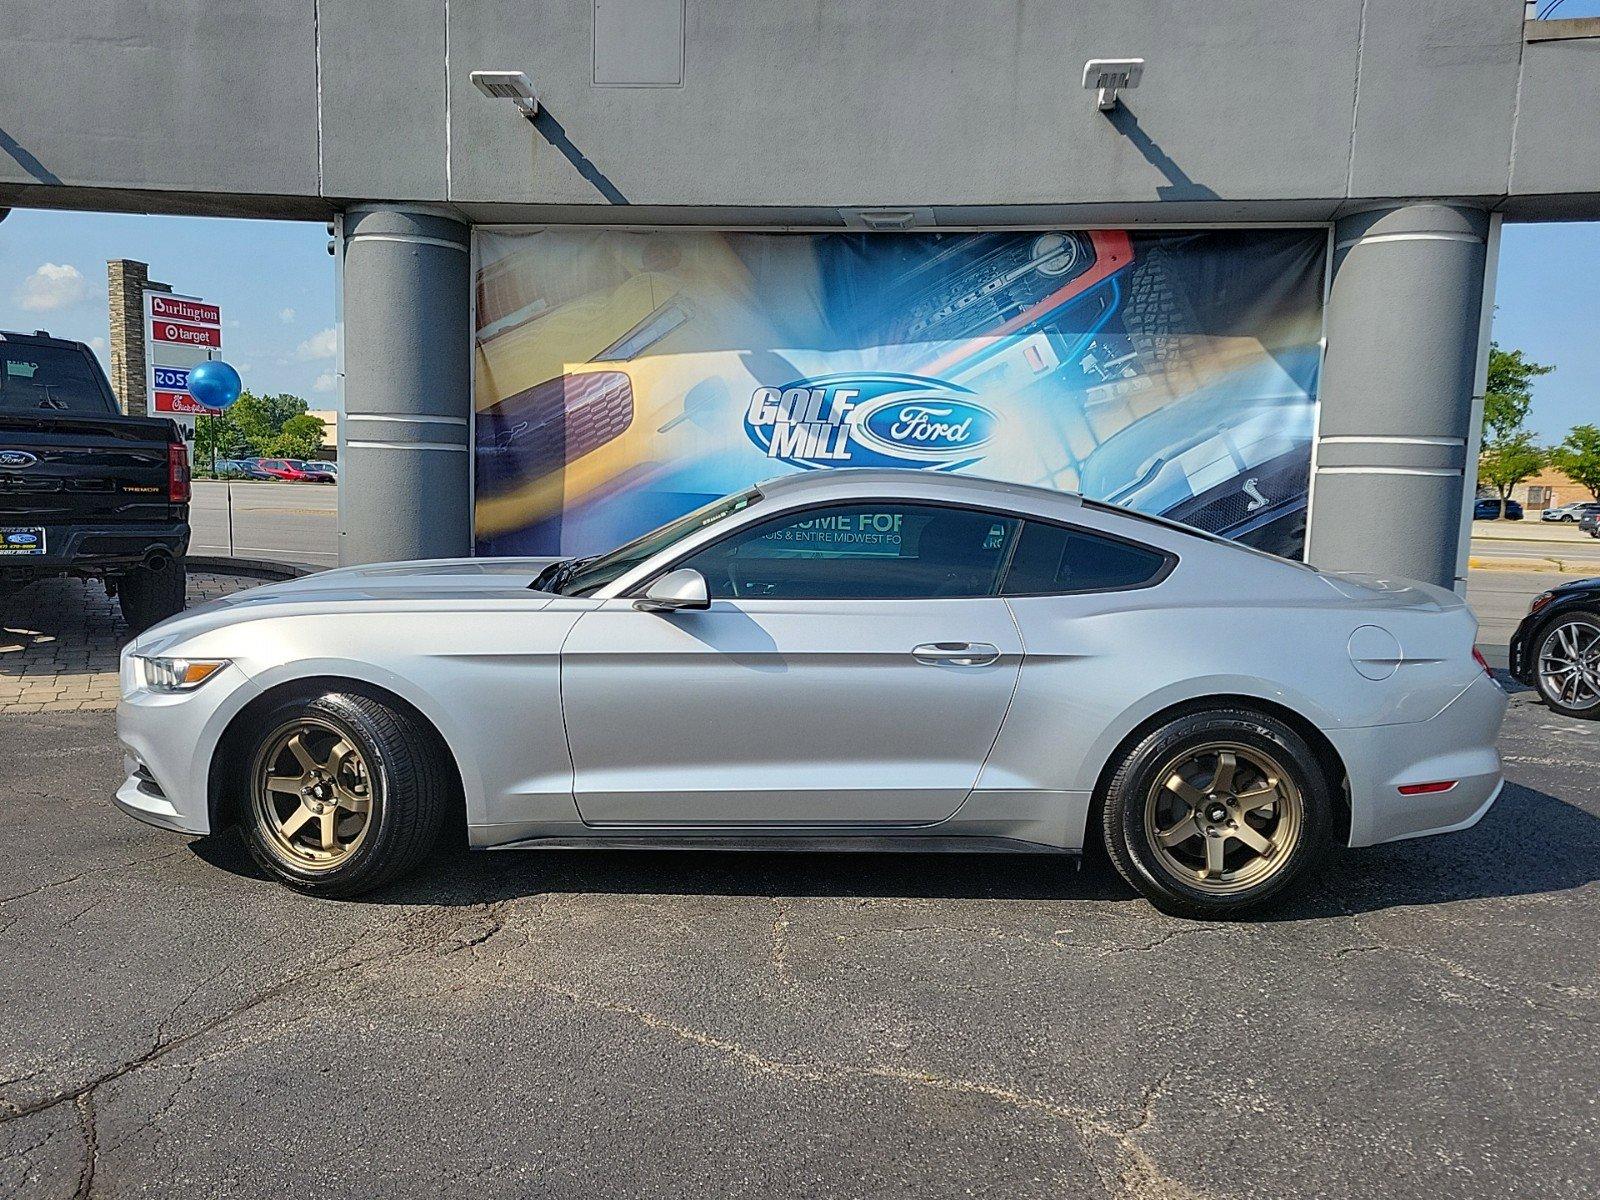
(938, 425)
(17, 458)
(22, 539)
(870, 419)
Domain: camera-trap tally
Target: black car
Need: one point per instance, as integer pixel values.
(1590, 523)
(1488, 509)
(1556, 649)
(85, 490)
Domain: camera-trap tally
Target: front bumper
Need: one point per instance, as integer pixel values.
(168, 742)
(1458, 744)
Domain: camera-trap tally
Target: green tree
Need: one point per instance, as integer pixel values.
(300, 437)
(260, 419)
(1508, 462)
(217, 436)
(1509, 392)
(1578, 457)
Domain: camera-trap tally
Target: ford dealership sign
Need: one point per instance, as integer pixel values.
(869, 420)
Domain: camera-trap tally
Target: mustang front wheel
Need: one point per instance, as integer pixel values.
(344, 794)
(1217, 812)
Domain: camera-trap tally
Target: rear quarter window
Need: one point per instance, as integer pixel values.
(1052, 559)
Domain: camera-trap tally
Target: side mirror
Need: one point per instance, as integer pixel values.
(684, 588)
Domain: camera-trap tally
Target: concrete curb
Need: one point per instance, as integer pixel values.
(1576, 568)
(258, 568)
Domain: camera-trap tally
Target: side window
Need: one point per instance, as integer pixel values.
(1051, 559)
(870, 551)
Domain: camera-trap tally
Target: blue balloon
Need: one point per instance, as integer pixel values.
(214, 384)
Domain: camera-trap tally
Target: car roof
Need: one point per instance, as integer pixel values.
(914, 484)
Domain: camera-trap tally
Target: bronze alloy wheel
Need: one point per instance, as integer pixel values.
(1223, 817)
(311, 794)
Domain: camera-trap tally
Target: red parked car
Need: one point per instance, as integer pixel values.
(281, 468)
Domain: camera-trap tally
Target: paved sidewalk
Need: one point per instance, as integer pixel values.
(60, 638)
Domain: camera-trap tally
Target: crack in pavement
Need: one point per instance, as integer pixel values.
(1137, 1176)
(780, 944)
(91, 1145)
(122, 866)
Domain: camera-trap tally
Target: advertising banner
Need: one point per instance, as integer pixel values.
(623, 379)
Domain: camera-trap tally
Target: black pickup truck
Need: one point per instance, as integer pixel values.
(85, 490)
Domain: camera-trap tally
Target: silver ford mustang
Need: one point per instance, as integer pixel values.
(849, 659)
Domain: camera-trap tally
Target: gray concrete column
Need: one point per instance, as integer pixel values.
(405, 438)
(1395, 442)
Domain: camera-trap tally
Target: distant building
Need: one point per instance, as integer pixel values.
(1550, 488)
(330, 430)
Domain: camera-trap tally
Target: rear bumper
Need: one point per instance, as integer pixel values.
(1459, 744)
(95, 549)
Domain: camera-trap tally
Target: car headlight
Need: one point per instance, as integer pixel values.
(1540, 601)
(178, 674)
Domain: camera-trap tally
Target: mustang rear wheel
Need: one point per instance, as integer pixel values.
(1568, 671)
(344, 794)
(1217, 813)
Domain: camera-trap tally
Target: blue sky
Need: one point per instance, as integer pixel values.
(274, 281)
(1547, 303)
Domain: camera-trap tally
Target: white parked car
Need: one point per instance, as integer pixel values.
(870, 660)
(1570, 513)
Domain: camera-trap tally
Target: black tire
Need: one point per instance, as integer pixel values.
(1583, 624)
(1129, 792)
(147, 595)
(410, 792)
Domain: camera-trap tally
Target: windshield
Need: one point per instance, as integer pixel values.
(585, 576)
(36, 378)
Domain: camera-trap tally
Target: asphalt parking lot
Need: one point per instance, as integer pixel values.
(588, 1023)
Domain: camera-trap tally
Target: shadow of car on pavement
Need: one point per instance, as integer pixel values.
(1529, 843)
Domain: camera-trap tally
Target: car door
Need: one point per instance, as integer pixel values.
(851, 671)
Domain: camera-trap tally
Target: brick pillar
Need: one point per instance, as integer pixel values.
(127, 281)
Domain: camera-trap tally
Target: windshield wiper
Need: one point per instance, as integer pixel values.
(541, 581)
(554, 577)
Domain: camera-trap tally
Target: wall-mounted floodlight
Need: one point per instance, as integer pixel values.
(514, 86)
(1107, 75)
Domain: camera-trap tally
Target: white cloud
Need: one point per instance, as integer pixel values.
(318, 346)
(326, 382)
(52, 286)
(286, 315)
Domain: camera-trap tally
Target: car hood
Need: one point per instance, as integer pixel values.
(464, 581)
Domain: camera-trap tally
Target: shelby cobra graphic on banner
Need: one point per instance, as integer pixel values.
(623, 379)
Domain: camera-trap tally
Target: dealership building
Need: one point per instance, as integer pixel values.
(675, 246)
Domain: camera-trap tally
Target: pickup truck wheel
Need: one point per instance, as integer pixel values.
(149, 595)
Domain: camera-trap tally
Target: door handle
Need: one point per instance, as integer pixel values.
(957, 654)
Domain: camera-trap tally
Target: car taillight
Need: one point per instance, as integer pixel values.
(1483, 662)
(177, 473)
